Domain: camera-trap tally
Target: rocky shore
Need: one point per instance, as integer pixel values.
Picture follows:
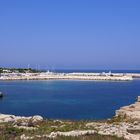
(124, 126)
(131, 111)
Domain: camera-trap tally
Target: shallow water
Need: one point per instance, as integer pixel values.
(67, 99)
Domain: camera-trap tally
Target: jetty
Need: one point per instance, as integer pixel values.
(134, 75)
(66, 76)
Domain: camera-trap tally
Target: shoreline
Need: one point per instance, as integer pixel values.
(125, 125)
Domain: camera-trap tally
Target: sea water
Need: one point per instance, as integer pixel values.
(67, 99)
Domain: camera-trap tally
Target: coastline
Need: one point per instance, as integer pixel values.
(125, 125)
(68, 76)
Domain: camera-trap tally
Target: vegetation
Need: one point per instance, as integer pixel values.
(117, 119)
(9, 132)
(19, 70)
(90, 137)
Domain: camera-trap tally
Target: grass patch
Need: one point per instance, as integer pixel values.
(86, 137)
(90, 137)
(8, 132)
(117, 119)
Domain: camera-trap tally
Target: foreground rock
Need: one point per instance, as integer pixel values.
(21, 122)
(131, 112)
(74, 133)
(126, 130)
(120, 129)
(13, 118)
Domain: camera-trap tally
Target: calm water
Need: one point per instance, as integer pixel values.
(67, 99)
(113, 71)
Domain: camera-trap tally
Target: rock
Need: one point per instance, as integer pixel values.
(119, 129)
(21, 122)
(130, 112)
(25, 127)
(58, 121)
(138, 99)
(13, 118)
(74, 133)
(24, 137)
(53, 135)
(131, 137)
(94, 124)
(36, 119)
(54, 126)
(6, 118)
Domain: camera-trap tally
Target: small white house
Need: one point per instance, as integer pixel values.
(6, 71)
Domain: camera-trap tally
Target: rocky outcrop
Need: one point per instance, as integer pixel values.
(121, 129)
(131, 112)
(13, 118)
(74, 133)
(21, 122)
(7, 118)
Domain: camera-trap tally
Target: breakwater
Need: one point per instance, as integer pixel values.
(66, 76)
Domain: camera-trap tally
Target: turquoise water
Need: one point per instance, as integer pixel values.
(67, 99)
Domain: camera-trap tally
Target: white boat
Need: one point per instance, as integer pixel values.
(1, 94)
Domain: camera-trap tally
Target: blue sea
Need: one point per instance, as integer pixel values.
(76, 100)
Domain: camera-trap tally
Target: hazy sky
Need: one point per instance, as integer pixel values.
(80, 34)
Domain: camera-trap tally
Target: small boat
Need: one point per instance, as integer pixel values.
(1, 94)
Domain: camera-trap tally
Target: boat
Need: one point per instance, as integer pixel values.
(1, 94)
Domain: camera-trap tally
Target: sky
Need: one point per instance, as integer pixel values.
(70, 34)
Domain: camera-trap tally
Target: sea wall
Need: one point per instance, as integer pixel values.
(63, 76)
